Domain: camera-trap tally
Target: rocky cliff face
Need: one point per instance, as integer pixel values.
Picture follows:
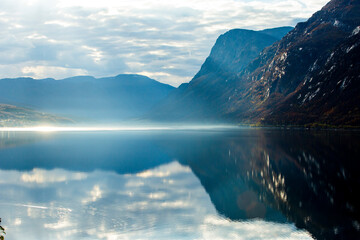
(310, 76)
(202, 98)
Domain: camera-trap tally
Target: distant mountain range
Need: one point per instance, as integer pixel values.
(309, 77)
(86, 98)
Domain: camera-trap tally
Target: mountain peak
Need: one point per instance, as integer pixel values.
(77, 78)
(336, 4)
(235, 49)
(343, 14)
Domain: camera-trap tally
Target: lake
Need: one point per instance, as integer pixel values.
(180, 184)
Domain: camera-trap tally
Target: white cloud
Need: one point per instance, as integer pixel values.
(129, 36)
(46, 71)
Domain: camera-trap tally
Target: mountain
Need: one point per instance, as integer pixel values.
(232, 52)
(12, 116)
(311, 76)
(85, 97)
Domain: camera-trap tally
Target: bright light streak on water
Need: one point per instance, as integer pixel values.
(114, 128)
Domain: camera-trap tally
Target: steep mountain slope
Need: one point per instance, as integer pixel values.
(232, 52)
(310, 76)
(12, 116)
(86, 98)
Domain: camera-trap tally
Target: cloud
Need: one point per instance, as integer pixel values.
(46, 71)
(105, 38)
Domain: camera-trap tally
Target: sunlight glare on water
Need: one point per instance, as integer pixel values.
(112, 128)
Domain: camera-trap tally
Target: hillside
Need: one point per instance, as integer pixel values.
(311, 76)
(12, 116)
(86, 98)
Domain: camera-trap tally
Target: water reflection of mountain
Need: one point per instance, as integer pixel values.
(14, 139)
(85, 152)
(311, 178)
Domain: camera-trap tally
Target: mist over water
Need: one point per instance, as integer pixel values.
(117, 127)
(212, 183)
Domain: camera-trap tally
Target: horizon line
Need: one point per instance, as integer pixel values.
(114, 128)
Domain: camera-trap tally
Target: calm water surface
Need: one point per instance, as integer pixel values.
(231, 184)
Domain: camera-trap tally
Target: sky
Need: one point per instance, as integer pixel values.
(166, 40)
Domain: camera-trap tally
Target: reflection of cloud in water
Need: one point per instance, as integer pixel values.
(43, 176)
(217, 228)
(94, 195)
(167, 202)
(161, 172)
(40, 176)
